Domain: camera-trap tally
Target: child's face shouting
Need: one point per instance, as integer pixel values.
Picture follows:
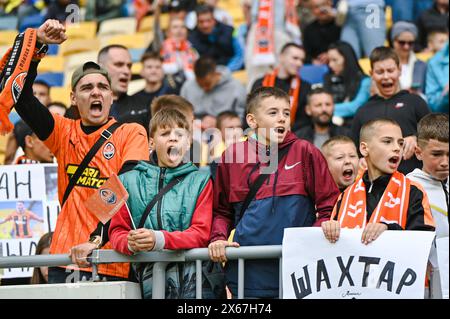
(170, 145)
(271, 121)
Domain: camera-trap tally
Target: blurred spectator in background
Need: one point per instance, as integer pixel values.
(125, 109)
(40, 274)
(437, 81)
(101, 10)
(346, 81)
(34, 149)
(403, 37)
(399, 105)
(220, 15)
(214, 90)
(365, 26)
(318, 35)
(57, 108)
(408, 10)
(435, 17)
(177, 51)
(155, 83)
(212, 38)
(437, 39)
(286, 77)
(273, 24)
(320, 107)
(57, 9)
(41, 90)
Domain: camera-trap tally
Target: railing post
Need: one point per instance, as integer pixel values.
(240, 278)
(198, 279)
(280, 294)
(159, 280)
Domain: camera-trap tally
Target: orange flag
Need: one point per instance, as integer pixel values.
(108, 199)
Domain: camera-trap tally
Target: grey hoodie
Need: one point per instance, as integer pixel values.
(228, 95)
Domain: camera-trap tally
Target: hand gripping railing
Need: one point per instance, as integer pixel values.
(160, 259)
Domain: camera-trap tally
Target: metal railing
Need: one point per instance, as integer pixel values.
(160, 259)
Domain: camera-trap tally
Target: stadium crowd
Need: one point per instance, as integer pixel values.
(352, 92)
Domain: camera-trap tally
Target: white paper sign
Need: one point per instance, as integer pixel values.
(443, 252)
(393, 266)
(28, 209)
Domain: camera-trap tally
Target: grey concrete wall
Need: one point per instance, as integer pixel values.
(84, 290)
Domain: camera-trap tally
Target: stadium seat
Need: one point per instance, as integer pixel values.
(51, 63)
(60, 94)
(131, 41)
(241, 76)
(53, 49)
(136, 68)
(424, 56)
(7, 37)
(32, 21)
(365, 65)
(118, 26)
(79, 45)
(136, 54)
(313, 73)
(82, 30)
(3, 49)
(8, 23)
(75, 60)
(52, 79)
(136, 86)
(146, 24)
(164, 21)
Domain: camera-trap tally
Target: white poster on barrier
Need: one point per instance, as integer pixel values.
(393, 266)
(443, 252)
(28, 209)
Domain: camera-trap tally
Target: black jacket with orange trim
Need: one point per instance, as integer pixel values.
(418, 204)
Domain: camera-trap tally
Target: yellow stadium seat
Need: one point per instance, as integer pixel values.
(388, 16)
(241, 76)
(79, 45)
(118, 26)
(146, 24)
(82, 30)
(136, 68)
(131, 41)
(51, 63)
(365, 65)
(136, 86)
(60, 94)
(424, 56)
(164, 21)
(7, 37)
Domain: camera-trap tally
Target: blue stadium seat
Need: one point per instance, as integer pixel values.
(52, 79)
(52, 49)
(8, 23)
(33, 21)
(136, 54)
(313, 73)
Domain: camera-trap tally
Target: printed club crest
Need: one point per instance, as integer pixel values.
(109, 150)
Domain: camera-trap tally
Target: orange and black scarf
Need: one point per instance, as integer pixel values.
(13, 71)
(392, 207)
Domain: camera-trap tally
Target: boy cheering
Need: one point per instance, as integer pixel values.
(299, 192)
(382, 198)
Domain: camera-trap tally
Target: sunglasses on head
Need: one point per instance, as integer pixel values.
(403, 43)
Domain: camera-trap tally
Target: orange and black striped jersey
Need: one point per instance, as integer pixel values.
(21, 223)
(70, 144)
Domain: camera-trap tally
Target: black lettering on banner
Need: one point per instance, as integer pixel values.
(367, 261)
(303, 291)
(23, 184)
(322, 275)
(345, 271)
(404, 282)
(387, 275)
(4, 177)
(49, 227)
(31, 252)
